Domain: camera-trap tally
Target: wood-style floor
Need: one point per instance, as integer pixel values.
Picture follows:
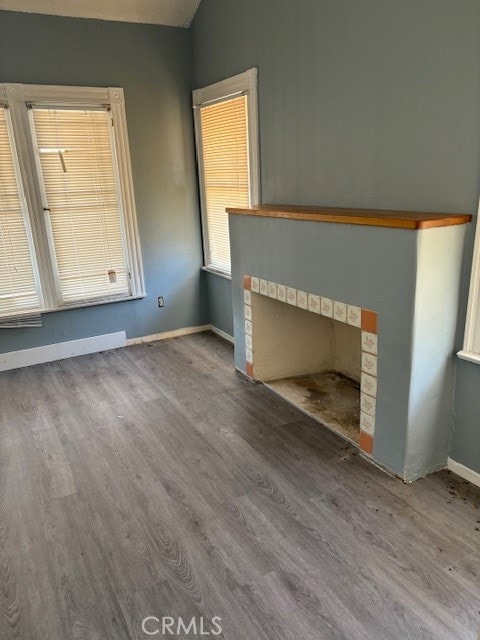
(154, 481)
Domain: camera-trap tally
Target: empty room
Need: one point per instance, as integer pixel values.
(239, 319)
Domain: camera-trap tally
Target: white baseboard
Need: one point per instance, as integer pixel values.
(464, 472)
(169, 334)
(222, 334)
(72, 348)
(61, 350)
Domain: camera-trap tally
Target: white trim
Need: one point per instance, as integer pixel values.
(471, 341)
(122, 152)
(95, 344)
(216, 272)
(24, 206)
(243, 83)
(169, 334)
(222, 334)
(469, 356)
(26, 159)
(226, 88)
(61, 350)
(464, 472)
(18, 97)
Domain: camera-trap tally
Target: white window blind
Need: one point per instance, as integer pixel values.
(225, 169)
(82, 203)
(18, 290)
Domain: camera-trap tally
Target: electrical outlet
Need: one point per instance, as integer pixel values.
(161, 301)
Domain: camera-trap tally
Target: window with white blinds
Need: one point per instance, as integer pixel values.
(227, 149)
(224, 144)
(68, 228)
(18, 289)
(81, 202)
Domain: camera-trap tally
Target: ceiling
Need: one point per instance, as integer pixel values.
(173, 13)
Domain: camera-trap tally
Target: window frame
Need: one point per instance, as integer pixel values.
(17, 98)
(241, 84)
(25, 215)
(471, 340)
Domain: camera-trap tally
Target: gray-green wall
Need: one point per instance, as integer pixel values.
(371, 103)
(153, 65)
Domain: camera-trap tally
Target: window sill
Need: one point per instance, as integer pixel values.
(221, 274)
(80, 305)
(469, 356)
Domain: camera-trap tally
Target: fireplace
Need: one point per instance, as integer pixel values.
(318, 353)
(351, 315)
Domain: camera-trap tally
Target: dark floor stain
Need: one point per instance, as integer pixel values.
(332, 397)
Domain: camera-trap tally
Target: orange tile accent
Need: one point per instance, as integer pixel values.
(369, 321)
(247, 282)
(366, 442)
(249, 369)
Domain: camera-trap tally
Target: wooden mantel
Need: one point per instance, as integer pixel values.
(367, 217)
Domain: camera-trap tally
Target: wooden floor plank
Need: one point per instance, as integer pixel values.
(155, 481)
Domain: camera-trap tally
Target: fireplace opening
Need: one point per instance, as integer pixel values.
(313, 361)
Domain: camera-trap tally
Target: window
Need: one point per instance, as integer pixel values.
(18, 288)
(227, 148)
(68, 232)
(471, 346)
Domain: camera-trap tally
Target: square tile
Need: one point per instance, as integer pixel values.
(369, 385)
(369, 363)
(368, 404)
(249, 355)
(248, 327)
(249, 370)
(354, 316)
(340, 311)
(367, 423)
(255, 285)
(248, 341)
(369, 342)
(313, 303)
(326, 307)
(248, 312)
(247, 282)
(281, 292)
(247, 296)
(272, 290)
(263, 287)
(291, 296)
(366, 442)
(369, 321)
(302, 299)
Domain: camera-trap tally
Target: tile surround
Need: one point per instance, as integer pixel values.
(281, 292)
(364, 319)
(292, 296)
(354, 316)
(326, 307)
(367, 404)
(340, 311)
(302, 299)
(272, 290)
(313, 303)
(369, 384)
(369, 363)
(369, 342)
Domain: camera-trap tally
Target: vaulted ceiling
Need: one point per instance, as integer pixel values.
(174, 13)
